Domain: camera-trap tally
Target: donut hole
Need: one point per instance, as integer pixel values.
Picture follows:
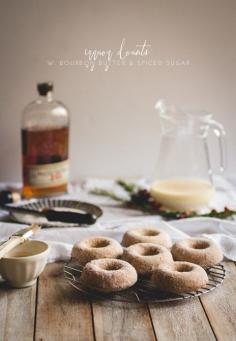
(149, 252)
(99, 243)
(149, 233)
(199, 244)
(183, 268)
(112, 267)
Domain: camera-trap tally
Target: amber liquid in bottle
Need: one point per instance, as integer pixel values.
(45, 161)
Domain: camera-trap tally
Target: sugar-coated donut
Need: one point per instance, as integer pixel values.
(203, 252)
(179, 277)
(146, 235)
(108, 275)
(96, 247)
(146, 257)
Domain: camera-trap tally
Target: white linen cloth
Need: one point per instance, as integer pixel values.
(116, 221)
(61, 240)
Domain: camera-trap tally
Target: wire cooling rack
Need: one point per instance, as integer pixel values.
(142, 291)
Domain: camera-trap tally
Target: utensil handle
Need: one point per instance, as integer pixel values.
(70, 217)
(9, 245)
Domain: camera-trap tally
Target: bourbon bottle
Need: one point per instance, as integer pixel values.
(45, 134)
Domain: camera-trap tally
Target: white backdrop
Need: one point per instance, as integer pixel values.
(114, 128)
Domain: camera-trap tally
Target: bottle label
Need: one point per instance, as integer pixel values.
(49, 175)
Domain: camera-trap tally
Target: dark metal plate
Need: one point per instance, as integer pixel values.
(58, 204)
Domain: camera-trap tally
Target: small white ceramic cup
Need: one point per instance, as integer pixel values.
(22, 265)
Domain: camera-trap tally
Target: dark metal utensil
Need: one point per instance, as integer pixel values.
(54, 215)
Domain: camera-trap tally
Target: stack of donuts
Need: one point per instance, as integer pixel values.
(146, 252)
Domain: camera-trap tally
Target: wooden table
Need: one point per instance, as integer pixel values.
(53, 310)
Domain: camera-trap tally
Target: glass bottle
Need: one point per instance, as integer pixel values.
(45, 142)
(183, 175)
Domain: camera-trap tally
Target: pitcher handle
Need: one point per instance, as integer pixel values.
(219, 131)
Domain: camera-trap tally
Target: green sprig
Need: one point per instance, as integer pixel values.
(141, 199)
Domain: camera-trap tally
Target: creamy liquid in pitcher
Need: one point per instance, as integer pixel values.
(183, 194)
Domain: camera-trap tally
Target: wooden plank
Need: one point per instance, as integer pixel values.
(181, 321)
(220, 306)
(17, 313)
(61, 313)
(122, 321)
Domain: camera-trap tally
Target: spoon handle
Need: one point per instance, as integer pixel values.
(9, 245)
